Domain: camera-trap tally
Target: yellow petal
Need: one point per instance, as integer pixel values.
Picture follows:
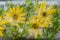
(18, 10)
(0, 18)
(23, 14)
(38, 17)
(9, 15)
(3, 22)
(5, 13)
(1, 28)
(27, 22)
(46, 25)
(35, 36)
(43, 6)
(21, 10)
(12, 10)
(22, 19)
(32, 21)
(1, 34)
(51, 11)
(50, 6)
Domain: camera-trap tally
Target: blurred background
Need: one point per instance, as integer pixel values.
(3, 2)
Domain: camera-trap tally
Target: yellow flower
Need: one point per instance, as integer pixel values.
(43, 16)
(35, 31)
(1, 31)
(1, 28)
(0, 18)
(1, 34)
(2, 22)
(15, 15)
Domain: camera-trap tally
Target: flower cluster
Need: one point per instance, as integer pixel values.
(29, 20)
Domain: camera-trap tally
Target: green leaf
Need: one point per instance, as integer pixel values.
(39, 37)
(5, 35)
(1, 11)
(21, 24)
(8, 25)
(25, 32)
(30, 25)
(28, 2)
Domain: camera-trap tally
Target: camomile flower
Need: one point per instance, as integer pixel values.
(1, 31)
(15, 15)
(41, 19)
(35, 31)
(43, 15)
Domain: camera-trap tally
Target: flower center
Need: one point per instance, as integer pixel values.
(44, 14)
(35, 26)
(15, 17)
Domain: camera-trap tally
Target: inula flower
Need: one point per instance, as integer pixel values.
(41, 19)
(35, 31)
(43, 16)
(15, 15)
(2, 22)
